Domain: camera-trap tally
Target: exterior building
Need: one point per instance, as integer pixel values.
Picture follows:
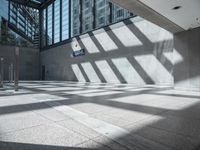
(17, 24)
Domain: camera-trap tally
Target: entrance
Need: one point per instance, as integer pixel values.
(43, 72)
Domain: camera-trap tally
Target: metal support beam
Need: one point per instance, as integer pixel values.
(2, 71)
(11, 73)
(94, 14)
(16, 68)
(70, 18)
(111, 8)
(61, 20)
(46, 31)
(31, 4)
(41, 19)
(13, 27)
(9, 10)
(53, 18)
(46, 4)
(81, 16)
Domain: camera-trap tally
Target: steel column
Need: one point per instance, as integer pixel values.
(61, 20)
(2, 71)
(70, 18)
(53, 18)
(16, 68)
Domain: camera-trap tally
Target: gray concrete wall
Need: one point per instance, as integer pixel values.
(29, 62)
(134, 51)
(187, 60)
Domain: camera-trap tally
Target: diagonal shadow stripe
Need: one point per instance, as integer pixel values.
(84, 73)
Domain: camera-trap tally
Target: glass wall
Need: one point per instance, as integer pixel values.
(102, 13)
(65, 19)
(75, 21)
(69, 18)
(49, 25)
(87, 15)
(12, 14)
(4, 9)
(24, 19)
(57, 21)
(44, 35)
(118, 13)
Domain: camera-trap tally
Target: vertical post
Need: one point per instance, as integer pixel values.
(9, 10)
(70, 18)
(111, 13)
(94, 14)
(81, 16)
(0, 30)
(12, 72)
(41, 30)
(16, 68)
(9, 74)
(53, 23)
(46, 31)
(61, 20)
(2, 68)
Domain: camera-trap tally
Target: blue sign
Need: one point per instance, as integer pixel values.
(79, 53)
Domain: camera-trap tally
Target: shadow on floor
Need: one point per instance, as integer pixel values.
(177, 130)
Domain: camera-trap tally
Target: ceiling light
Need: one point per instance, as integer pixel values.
(176, 7)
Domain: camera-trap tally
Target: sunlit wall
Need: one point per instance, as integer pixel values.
(134, 51)
(187, 60)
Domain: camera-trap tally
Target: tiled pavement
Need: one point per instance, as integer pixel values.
(83, 116)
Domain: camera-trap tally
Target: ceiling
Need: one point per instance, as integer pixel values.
(161, 12)
(187, 17)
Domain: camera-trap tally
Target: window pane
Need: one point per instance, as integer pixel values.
(49, 36)
(44, 28)
(65, 19)
(119, 13)
(87, 15)
(102, 13)
(57, 21)
(75, 17)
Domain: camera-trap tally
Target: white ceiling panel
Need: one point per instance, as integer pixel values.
(188, 16)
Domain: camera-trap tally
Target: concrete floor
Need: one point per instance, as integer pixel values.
(79, 116)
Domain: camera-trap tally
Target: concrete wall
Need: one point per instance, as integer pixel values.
(187, 60)
(29, 62)
(134, 51)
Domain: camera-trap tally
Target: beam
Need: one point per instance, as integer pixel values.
(27, 3)
(46, 4)
(22, 34)
(140, 9)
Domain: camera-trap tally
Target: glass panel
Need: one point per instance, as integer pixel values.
(65, 19)
(119, 13)
(4, 9)
(102, 13)
(44, 28)
(49, 36)
(57, 21)
(75, 21)
(82, 17)
(87, 15)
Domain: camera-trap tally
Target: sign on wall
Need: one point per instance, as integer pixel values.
(77, 50)
(78, 53)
